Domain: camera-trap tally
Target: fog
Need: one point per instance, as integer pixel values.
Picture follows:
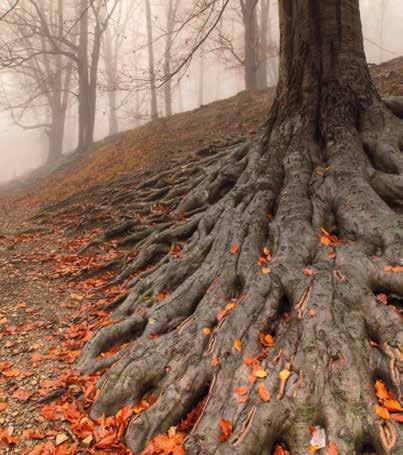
(22, 149)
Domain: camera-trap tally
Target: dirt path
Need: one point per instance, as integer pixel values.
(44, 320)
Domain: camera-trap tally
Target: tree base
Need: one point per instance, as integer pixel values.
(256, 288)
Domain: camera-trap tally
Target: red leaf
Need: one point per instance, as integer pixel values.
(226, 430)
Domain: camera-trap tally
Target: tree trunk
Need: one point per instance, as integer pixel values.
(249, 17)
(290, 235)
(84, 109)
(168, 55)
(263, 44)
(201, 78)
(111, 60)
(56, 136)
(151, 68)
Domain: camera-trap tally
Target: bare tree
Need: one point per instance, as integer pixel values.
(172, 11)
(43, 78)
(151, 66)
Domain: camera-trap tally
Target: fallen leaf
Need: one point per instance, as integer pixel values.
(238, 345)
(381, 391)
(225, 311)
(206, 331)
(266, 270)
(332, 449)
(76, 297)
(32, 433)
(263, 392)
(308, 271)
(266, 340)
(234, 249)
(398, 417)
(215, 361)
(226, 430)
(261, 374)
(284, 375)
(318, 440)
(382, 412)
(23, 395)
(392, 405)
(3, 406)
(11, 373)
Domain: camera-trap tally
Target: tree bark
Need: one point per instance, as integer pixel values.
(289, 234)
(151, 67)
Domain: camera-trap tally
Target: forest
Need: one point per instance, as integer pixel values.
(201, 227)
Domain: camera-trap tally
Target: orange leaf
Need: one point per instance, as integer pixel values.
(398, 417)
(11, 373)
(280, 450)
(3, 406)
(266, 340)
(32, 433)
(215, 361)
(234, 249)
(266, 270)
(242, 391)
(382, 412)
(238, 345)
(206, 331)
(225, 311)
(332, 449)
(392, 405)
(308, 271)
(381, 391)
(263, 392)
(22, 394)
(226, 430)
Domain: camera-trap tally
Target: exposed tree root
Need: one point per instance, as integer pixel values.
(223, 211)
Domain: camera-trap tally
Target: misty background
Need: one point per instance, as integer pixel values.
(214, 72)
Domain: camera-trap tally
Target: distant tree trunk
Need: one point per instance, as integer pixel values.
(151, 68)
(249, 17)
(84, 110)
(56, 136)
(201, 77)
(263, 44)
(88, 74)
(111, 61)
(171, 16)
(180, 96)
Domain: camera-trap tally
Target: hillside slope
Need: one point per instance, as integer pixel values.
(154, 144)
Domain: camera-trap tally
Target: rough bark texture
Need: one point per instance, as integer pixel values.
(330, 156)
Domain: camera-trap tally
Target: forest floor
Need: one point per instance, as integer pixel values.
(52, 298)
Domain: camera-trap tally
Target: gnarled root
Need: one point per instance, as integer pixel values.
(317, 301)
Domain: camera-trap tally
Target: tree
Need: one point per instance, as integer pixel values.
(257, 43)
(151, 66)
(41, 79)
(289, 235)
(172, 11)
